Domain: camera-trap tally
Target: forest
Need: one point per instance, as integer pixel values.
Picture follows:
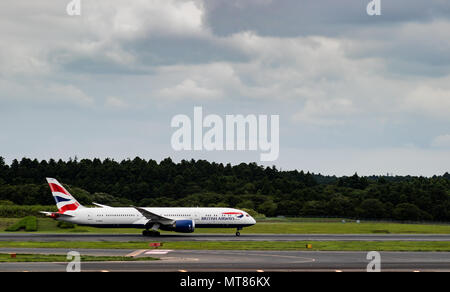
(266, 190)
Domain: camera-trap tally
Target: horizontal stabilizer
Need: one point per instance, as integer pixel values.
(55, 214)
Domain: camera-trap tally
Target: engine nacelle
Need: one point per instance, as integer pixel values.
(185, 226)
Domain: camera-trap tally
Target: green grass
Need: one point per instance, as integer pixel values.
(271, 225)
(74, 244)
(63, 258)
(28, 223)
(337, 228)
(6, 222)
(249, 245)
(303, 219)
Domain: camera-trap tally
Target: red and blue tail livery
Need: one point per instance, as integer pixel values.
(64, 200)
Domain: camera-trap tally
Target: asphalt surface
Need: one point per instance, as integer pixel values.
(220, 260)
(221, 237)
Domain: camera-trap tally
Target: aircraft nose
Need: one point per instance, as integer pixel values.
(252, 220)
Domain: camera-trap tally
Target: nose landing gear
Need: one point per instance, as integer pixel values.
(237, 231)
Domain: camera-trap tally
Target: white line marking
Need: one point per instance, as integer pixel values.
(158, 251)
(135, 253)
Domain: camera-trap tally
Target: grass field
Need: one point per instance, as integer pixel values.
(63, 258)
(249, 245)
(280, 226)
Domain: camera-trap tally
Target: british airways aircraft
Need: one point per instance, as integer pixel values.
(150, 219)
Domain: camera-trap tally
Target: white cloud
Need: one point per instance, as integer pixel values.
(321, 80)
(189, 89)
(158, 17)
(431, 101)
(116, 103)
(325, 112)
(36, 92)
(70, 93)
(46, 37)
(442, 141)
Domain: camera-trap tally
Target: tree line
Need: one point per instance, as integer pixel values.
(266, 190)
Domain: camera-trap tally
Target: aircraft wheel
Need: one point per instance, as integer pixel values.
(150, 233)
(238, 233)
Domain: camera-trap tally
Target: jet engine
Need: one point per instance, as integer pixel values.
(185, 226)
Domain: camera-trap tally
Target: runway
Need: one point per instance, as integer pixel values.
(233, 260)
(236, 261)
(44, 237)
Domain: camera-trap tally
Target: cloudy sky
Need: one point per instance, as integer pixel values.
(355, 93)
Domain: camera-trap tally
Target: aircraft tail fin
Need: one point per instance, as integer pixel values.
(64, 200)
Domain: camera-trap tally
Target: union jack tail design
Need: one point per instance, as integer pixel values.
(64, 200)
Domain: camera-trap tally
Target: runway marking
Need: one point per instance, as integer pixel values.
(158, 251)
(297, 259)
(104, 271)
(304, 259)
(135, 253)
(338, 271)
(260, 271)
(179, 259)
(183, 271)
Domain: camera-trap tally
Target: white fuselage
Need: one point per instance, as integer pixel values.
(131, 217)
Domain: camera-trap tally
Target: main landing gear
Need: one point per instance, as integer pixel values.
(150, 233)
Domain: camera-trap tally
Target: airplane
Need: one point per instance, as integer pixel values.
(152, 220)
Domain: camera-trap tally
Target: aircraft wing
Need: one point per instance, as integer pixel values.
(154, 217)
(100, 205)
